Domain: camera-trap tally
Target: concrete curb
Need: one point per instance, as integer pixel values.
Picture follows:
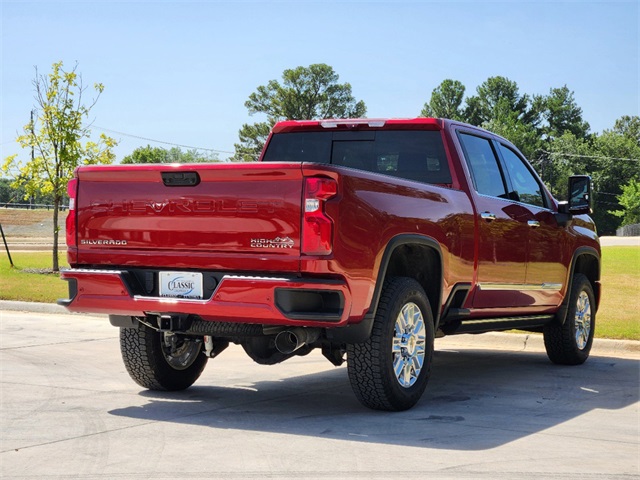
(532, 342)
(34, 307)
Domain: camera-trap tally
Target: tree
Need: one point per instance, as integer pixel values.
(10, 193)
(7, 194)
(510, 125)
(252, 139)
(628, 126)
(494, 96)
(617, 161)
(151, 154)
(611, 159)
(630, 202)
(55, 137)
(564, 156)
(146, 154)
(561, 113)
(551, 132)
(499, 107)
(562, 124)
(446, 101)
(176, 155)
(306, 93)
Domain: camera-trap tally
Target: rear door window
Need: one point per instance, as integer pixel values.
(525, 185)
(484, 166)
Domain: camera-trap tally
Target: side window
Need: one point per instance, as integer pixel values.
(526, 186)
(483, 164)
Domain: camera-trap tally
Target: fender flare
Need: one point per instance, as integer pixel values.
(561, 314)
(360, 332)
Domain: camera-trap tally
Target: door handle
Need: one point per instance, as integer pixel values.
(533, 223)
(488, 216)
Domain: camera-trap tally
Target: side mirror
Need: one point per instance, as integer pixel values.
(579, 194)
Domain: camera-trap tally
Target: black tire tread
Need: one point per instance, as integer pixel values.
(143, 358)
(559, 339)
(366, 361)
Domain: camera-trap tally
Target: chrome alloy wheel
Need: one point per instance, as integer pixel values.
(582, 320)
(180, 353)
(409, 345)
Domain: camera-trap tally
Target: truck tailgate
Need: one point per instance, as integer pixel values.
(133, 215)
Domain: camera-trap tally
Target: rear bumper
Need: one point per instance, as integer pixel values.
(242, 299)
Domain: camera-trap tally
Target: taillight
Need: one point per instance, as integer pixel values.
(71, 217)
(317, 227)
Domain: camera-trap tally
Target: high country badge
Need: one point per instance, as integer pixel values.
(278, 242)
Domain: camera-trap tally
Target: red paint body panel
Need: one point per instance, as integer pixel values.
(237, 299)
(245, 222)
(211, 225)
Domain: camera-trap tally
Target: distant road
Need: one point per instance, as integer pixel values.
(617, 241)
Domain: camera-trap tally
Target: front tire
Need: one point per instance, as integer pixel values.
(391, 369)
(570, 343)
(157, 363)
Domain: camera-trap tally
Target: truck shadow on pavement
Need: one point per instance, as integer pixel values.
(475, 400)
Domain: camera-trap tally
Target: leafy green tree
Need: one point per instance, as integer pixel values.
(617, 162)
(564, 156)
(561, 113)
(562, 123)
(146, 154)
(151, 154)
(6, 192)
(612, 160)
(629, 200)
(551, 132)
(446, 101)
(494, 96)
(306, 93)
(176, 155)
(56, 138)
(499, 107)
(510, 125)
(9, 193)
(252, 139)
(628, 126)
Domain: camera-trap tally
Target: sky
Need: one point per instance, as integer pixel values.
(180, 72)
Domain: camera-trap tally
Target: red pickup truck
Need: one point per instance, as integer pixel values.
(365, 238)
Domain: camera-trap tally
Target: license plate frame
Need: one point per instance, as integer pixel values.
(186, 285)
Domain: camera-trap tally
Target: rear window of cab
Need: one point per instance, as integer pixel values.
(417, 155)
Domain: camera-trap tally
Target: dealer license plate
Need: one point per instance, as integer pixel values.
(181, 285)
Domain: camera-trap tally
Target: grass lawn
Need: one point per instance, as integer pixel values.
(618, 316)
(17, 284)
(619, 313)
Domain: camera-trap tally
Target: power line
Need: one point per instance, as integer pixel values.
(161, 141)
(600, 157)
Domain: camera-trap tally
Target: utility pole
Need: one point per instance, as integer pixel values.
(33, 134)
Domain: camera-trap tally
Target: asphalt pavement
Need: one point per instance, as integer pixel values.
(495, 408)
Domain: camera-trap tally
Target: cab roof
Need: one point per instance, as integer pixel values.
(359, 124)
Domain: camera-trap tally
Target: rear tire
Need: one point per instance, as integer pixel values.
(391, 369)
(570, 343)
(152, 362)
